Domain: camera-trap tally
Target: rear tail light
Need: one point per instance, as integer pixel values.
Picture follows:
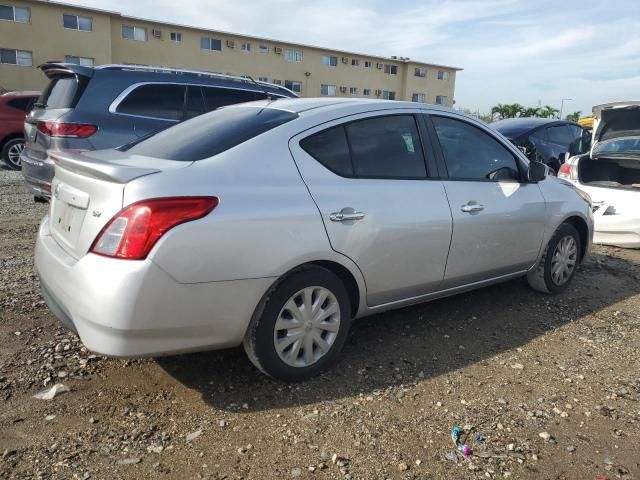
(132, 233)
(69, 130)
(569, 171)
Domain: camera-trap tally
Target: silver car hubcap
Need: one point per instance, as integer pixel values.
(564, 260)
(14, 153)
(307, 326)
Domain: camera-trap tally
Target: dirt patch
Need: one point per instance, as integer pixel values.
(552, 384)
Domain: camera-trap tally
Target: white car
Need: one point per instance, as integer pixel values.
(610, 174)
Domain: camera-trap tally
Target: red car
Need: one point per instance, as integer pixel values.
(13, 108)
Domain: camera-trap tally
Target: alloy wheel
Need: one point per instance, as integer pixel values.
(13, 154)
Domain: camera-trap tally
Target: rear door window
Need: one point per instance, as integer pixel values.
(379, 147)
(330, 148)
(163, 101)
(219, 97)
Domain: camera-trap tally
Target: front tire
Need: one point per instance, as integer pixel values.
(559, 262)
(11, 153)
(300, 326)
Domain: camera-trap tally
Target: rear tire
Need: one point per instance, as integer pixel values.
(559, 262)
(11, 153)
(300, 326)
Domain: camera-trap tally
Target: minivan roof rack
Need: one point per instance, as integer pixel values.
(198, 73)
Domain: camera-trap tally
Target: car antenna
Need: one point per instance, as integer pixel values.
(261, 87)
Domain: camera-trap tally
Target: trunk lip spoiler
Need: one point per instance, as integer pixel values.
(78, 162)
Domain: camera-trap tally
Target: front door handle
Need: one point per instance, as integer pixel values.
(472, 207)
(346, 215)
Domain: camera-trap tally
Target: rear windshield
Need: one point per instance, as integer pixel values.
(210, 134)
(62, 92)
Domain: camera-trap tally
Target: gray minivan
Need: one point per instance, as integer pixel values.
(94, 108)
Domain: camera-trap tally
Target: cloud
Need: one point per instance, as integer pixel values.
(511, 50)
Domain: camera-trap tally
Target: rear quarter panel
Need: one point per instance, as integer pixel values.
(265, 225)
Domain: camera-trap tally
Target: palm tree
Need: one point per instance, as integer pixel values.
(531, 112)
(502, 110)
(549, 112)
(573, 117)
(498, 111)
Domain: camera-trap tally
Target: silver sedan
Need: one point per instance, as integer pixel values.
(275, 224)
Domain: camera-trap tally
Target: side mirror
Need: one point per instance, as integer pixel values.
(537, 171)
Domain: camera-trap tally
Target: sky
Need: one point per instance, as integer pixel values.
(524, 51)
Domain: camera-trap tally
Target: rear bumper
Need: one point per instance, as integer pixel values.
(37, 174)
(126, 308)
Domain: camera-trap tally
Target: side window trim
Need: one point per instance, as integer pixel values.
(344, 121)
(516, 158)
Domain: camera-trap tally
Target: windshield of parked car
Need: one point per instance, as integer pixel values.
(619, 146)
(210, 134)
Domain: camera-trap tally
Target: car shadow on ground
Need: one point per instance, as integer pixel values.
(414, 343)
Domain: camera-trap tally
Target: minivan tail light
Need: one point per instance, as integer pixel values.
(69, 130)
(132, 233)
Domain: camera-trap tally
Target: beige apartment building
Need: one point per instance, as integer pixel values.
(34, 32)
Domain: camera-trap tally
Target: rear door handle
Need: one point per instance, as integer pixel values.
(472, 207)
(346, 215)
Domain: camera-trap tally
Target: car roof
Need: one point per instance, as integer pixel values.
(514, 127)
(301, 105)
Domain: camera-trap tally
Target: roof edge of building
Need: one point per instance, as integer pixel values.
(251, 37)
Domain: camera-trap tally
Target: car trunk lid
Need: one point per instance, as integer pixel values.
(88, 190)
(614, 122)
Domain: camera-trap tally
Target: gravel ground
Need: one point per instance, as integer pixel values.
(552, 385)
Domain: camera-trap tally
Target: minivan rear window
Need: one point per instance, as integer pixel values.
(210, 134)
(62, 92)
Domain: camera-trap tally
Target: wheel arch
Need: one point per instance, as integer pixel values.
(582, 228)
(11, 136)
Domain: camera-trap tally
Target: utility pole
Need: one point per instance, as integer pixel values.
(562, 105)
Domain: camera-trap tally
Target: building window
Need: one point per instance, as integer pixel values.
(420, 72)
(443, 75)
(263, 79)
(366, 92)
(328, 90)
(355, 62)
(15, 14)
(418, 97)
(263, 49)
(329, 60)
(293, 85)
(134, 33)
(442, 100)
(353, 90)
(84, 61)
(388, 95)
(368, 64)
(16, 57)
(390, 69)
(207, 43)
(245, 47)
(76, 22)
(277, 82)
(291, 55)
(176, 37)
